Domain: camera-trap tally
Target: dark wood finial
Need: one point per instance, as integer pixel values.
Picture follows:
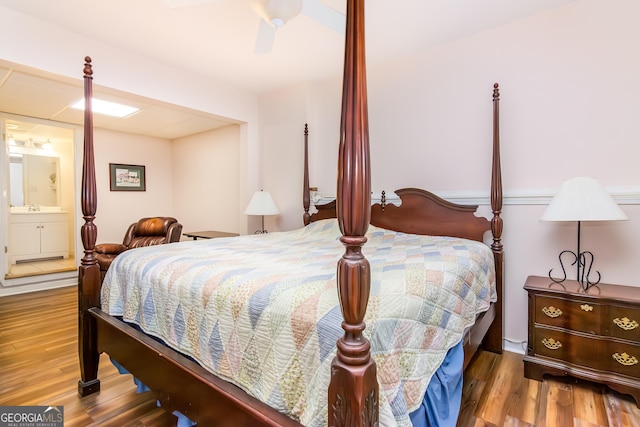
(88, 70)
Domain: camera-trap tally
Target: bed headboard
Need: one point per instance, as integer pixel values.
(422, 212)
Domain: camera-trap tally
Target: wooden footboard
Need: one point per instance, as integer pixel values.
(179, 383)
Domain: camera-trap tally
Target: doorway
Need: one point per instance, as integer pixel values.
(38, 217)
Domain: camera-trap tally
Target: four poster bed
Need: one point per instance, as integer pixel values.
(226, 330)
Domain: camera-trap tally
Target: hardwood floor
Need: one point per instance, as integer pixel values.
(39, 366)
(496, 393)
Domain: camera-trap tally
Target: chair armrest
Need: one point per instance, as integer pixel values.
(110, 248)
(174, 232)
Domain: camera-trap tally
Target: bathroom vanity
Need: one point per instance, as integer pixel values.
(38, 235)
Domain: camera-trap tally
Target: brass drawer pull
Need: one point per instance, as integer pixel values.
(552, 344)
(625, 323)
(586, 307)
(625, 359)
(552, 311)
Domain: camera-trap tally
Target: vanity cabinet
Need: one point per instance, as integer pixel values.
(38, 235)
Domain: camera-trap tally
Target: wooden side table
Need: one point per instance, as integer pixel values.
(593, 334)
(209, 234)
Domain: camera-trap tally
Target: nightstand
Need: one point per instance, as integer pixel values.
(593, 334)
(209, 234)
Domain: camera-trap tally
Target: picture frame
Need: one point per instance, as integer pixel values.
(127, 177)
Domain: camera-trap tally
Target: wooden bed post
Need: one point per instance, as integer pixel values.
(353, 391)
(493, 340)
(89, 271)
(306, 196)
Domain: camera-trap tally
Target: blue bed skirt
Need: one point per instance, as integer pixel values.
(440, 405)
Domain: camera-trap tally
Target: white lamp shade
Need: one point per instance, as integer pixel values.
(583, 199)
(261, 203)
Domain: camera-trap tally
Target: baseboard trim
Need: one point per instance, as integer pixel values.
(514, 347)
(38, 283)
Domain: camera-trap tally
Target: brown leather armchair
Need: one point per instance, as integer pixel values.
(145, 232)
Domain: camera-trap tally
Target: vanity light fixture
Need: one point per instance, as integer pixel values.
(30, 143)
(107, 108)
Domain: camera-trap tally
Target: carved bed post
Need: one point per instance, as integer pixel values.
(89, 271)
(306, 196)
(493, 341)
(353, 391)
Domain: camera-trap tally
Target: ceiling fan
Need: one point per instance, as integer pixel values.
(276, 13)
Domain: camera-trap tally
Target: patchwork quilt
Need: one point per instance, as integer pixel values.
(262, 311)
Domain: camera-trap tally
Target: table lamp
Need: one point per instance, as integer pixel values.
(581, 199)
(261, 204)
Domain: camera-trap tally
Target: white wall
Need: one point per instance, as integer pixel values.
(282, 118)
(118, 209)
(569, 107)
(206, 189)
(194, 179)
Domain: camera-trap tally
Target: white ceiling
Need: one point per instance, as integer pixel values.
(217, 39)
(31, 93)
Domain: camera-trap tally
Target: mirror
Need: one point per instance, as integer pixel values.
(33, 179)
(40, 164)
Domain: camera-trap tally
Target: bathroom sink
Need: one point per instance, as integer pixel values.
(32, 210)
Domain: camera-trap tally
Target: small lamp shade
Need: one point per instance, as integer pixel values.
(261, 203)
(582, 199)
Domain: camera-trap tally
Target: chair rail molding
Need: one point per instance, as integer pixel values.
(623, 195)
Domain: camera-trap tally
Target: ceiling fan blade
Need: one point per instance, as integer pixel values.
(325, 15)
(264, 40)
(174, 4)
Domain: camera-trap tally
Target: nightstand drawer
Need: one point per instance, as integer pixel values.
(587, 316)
(569, 314)
(592, 352)
(623, 322)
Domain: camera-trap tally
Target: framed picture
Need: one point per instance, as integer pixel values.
(127, 177)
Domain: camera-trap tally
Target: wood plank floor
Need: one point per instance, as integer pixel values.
(39, 366)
